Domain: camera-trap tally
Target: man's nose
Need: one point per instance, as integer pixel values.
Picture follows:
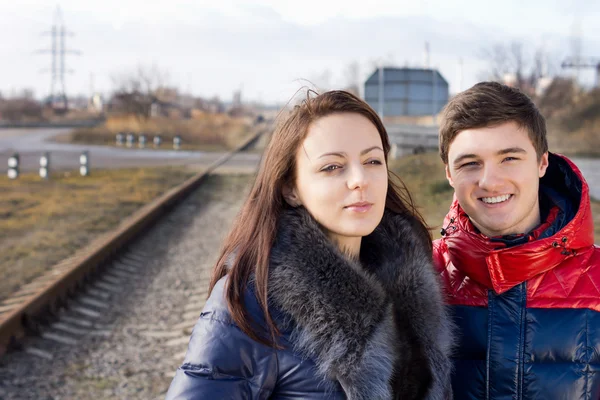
(491, 178)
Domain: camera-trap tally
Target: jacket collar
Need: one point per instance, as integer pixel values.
(496, 266)
(341, 312)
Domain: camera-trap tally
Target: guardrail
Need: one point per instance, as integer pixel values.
(57, 124)
(415, 137)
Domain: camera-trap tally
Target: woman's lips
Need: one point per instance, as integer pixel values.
(361, 207)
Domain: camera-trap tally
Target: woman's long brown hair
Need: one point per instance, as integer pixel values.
(247, 248)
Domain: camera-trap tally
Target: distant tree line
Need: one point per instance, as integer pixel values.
(20, 107)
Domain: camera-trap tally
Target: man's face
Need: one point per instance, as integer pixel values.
(495, 174)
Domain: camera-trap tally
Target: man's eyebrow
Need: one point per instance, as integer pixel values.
(343, 154)
(508, 150)
(511, 150)
(463, 157)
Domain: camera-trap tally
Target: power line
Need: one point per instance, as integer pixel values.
(582, 63)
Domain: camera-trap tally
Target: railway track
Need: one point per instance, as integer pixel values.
(69, 299)
(131, 348)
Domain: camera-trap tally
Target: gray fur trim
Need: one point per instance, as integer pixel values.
(379, 361)
(366, 323)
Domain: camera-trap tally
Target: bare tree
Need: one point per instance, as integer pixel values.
(136, 91)
(512, 62)
(20, 108)
(352, 77)
(559, 97)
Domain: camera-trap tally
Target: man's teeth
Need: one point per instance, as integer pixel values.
(498, 199)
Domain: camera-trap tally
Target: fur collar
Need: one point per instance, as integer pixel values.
(376, 326)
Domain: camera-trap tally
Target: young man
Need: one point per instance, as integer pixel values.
(517, 255)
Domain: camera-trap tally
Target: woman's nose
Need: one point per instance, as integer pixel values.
(357, 178)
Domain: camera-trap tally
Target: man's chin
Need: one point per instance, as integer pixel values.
(492, 228)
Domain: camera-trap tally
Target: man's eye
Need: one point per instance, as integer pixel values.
(510, 159)
(469, 164)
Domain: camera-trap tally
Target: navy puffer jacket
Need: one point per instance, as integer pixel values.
(527, 307)
(222, 362)
(370, 330)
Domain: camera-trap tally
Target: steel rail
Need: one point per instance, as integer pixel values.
(50, 290)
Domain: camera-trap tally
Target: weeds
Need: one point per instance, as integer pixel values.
(44, 222)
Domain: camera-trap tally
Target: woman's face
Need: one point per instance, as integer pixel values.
(341, 177)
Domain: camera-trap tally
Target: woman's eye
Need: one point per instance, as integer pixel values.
(330, 168)
(374, 162)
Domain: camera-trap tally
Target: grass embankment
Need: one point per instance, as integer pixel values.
(573, 119)
(206, 132)
(424, 176)
(44, 222)
(582, 142)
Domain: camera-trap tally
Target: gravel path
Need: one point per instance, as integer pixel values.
(138, 320)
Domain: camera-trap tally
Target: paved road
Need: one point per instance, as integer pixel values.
(31, 143)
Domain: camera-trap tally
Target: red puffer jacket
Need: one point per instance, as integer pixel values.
(528, 308)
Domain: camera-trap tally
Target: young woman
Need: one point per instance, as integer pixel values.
(325, 287)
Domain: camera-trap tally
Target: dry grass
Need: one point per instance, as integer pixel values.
(208, 132)
(424, 176)
(583, 142)
(43, 222)
(574, 128)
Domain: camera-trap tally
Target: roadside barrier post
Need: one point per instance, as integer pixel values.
(84, 161)
(13, 166)
(142, 141)
(130, 139)
(120, 139)
(157, 141)
(45, 166)
(176, 142)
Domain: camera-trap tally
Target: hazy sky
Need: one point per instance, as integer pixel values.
(269, 48)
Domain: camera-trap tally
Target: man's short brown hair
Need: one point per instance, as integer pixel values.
(488, 104)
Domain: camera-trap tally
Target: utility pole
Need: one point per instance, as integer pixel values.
(58, 33)
(576, 36)
(433, 95)
(460, 74)
(381, 94)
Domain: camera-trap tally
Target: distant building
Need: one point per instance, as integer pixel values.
(406, 92)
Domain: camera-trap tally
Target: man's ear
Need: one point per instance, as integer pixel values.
(543, 165)
(448, 176)
(290, 195)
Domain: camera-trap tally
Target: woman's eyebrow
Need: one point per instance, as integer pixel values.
(370, 149)
(343, 154)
